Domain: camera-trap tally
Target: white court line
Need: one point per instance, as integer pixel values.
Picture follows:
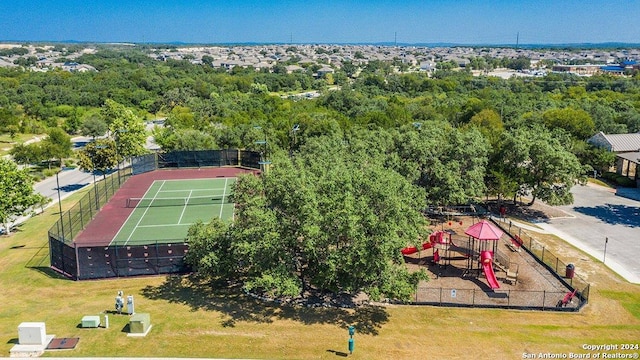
(143, 214)
(128, 217)
(185, 206)
(169, 191)
(198, 180)
(223, 194)
(164, 225)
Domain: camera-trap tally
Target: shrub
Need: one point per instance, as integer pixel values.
(625, 181)
(50, 172)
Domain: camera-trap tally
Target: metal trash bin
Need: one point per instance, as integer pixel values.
(570, 271)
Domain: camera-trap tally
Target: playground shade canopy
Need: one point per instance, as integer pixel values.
(484, 230)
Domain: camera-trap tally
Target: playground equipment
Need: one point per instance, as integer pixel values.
(480, 252)
(487, 235)
(486, 258)
(435, 239)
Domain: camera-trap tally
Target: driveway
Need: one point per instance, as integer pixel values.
(596, 217)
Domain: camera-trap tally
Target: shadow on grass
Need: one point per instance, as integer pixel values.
(613, 214)
(45, 270)
(338, 353)
(13, 341)
(239, 307)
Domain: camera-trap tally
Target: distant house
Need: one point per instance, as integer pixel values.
(627, 150)
(73, 66)
(427, 66)
(323, 71)
(293, 68)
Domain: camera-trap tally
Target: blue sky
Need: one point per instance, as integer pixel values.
(408, 21)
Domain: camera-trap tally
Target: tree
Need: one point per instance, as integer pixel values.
(577, 122)
(448, 163)
(489, 123)
(94, 127)
(27, 154)
(539, 162)
(326, 220)
(18, 196)
(98, 155)
(126, 128)
(185, 140)
(181, 118)
(57, 145)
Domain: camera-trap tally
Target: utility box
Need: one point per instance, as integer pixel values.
(90, 321)
(32, 333)
(139, 323)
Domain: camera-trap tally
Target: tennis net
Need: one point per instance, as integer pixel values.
(176, 201)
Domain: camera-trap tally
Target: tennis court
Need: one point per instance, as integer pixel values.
(169, 207)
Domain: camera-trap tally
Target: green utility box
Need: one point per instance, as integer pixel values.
(90, 321)
(139, 323)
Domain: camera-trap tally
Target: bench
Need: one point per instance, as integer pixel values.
(513, 247)
(512, 275)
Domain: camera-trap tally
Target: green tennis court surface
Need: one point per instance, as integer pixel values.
(170, 207)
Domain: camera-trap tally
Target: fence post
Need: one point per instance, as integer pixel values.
(440, 297)
(544, 299)
(543, 249)
(70, 228)
(90, 204)
(75, 246)
(557, 260)
(473, 298)
(81, 215)
(509, 297)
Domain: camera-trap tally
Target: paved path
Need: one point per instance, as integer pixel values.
(598, 214)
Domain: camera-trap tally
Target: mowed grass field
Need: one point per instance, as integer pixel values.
(194, 319)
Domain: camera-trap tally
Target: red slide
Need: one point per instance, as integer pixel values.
(409, 250)
(486, 257)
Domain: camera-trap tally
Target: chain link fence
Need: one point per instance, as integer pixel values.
(93, 262)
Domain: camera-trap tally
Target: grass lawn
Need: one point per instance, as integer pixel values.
(193, 319)
(6, 142)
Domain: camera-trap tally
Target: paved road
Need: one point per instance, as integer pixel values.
(597, 214)
(70, 180)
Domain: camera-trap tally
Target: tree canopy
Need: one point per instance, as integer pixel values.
(539, 162)
(327, 220)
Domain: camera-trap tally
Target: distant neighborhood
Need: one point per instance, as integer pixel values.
(325, 59)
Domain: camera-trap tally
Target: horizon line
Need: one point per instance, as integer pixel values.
(379, 43)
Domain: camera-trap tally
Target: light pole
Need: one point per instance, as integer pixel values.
(60, 204)
(294, 130)
(93, 161)
(116, 138)
(264, 163)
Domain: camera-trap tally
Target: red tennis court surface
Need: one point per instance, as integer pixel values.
(104, 227)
